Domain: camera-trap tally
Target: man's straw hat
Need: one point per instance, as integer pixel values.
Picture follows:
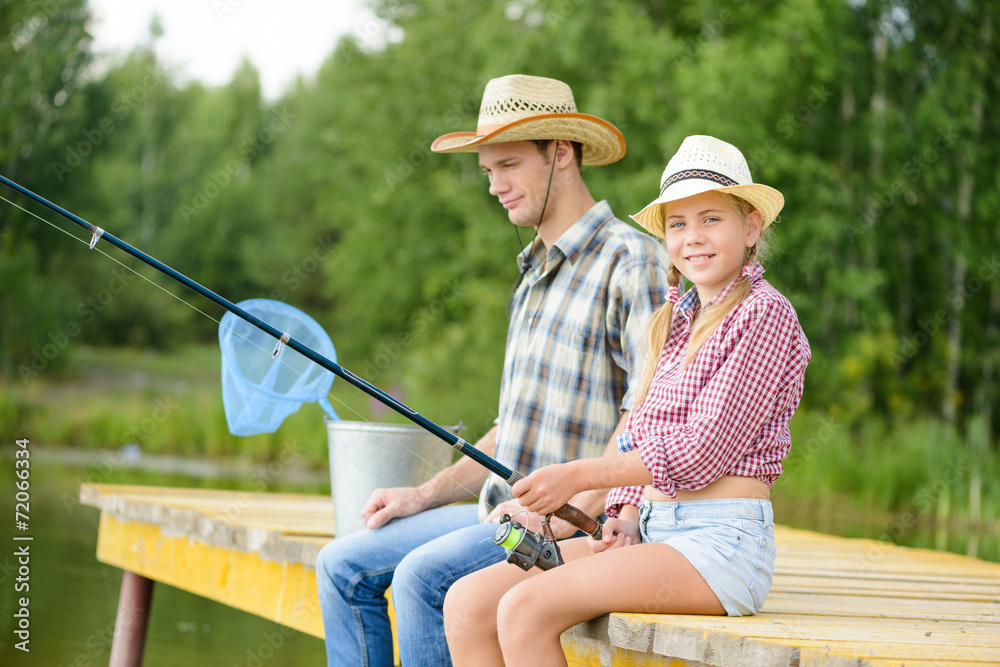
(705, 163)
(520, 108)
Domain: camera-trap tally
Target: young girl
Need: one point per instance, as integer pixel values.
(690, 527)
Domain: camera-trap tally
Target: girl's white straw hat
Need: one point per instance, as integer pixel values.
(520, 108)
(704, 163)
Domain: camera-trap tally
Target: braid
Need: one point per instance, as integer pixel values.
(656, 339)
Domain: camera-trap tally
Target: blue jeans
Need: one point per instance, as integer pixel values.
(421, 556)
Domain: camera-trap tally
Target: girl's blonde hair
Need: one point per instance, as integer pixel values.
(710, 318)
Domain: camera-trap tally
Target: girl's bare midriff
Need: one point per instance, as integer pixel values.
(730, 486)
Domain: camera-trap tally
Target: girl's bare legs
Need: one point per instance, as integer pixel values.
(470, 608)
(651, 578)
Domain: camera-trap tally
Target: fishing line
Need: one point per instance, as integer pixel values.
(566, 512)
(237, 333)
(124, 266)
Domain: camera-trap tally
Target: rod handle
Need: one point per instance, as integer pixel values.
(580, 519)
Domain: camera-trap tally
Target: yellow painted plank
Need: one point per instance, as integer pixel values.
(282, 592)
(285, 593)
(583, 652)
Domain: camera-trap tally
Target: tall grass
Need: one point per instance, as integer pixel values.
(162, 403)
(918, 467)
(171, 403)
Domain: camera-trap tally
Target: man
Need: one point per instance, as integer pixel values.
(578, 316)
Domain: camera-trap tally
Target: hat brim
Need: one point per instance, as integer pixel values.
(764, 198)
(602, 142)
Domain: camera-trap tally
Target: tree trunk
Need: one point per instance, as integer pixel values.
(954, 347)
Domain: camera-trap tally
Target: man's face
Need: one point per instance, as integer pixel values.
(519, 178)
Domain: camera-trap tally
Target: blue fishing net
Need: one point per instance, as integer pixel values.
(259, 391)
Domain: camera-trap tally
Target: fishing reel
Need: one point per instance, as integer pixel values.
(526, 548)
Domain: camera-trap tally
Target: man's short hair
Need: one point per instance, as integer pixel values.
(543, 145)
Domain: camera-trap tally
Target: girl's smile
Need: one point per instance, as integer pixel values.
(707, 240)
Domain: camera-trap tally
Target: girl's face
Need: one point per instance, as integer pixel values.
(707, 240)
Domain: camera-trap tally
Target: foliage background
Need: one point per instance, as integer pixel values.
(878, 119)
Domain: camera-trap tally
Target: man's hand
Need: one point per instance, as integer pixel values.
(387, 504)
(532, 521)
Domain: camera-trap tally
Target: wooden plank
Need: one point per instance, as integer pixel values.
(834, 601)
(231, 521)
(871, 608)
(805, 585)
(280, 587)
(283, 592)
(587, 645)
(769, 639)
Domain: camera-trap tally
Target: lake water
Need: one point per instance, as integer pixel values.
(73, 597)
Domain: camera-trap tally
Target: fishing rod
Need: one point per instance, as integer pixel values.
(525, 548)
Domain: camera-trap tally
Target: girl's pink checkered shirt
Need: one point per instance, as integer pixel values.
(727, 412)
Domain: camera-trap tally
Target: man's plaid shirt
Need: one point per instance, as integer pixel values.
(576, 337)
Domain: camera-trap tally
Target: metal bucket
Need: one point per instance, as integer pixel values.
(366, 456)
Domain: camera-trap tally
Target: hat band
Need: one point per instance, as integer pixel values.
(700, 174)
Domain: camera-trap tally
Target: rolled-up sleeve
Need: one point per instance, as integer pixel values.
(734, 406)
(623, 495)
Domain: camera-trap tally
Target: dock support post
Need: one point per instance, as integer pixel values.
(131, 622)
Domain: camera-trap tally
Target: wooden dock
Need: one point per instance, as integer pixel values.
(835, 602)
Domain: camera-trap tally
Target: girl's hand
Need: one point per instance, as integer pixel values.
(547, 489)
(616, 533)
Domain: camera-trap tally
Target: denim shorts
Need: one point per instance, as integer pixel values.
(729, 541)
